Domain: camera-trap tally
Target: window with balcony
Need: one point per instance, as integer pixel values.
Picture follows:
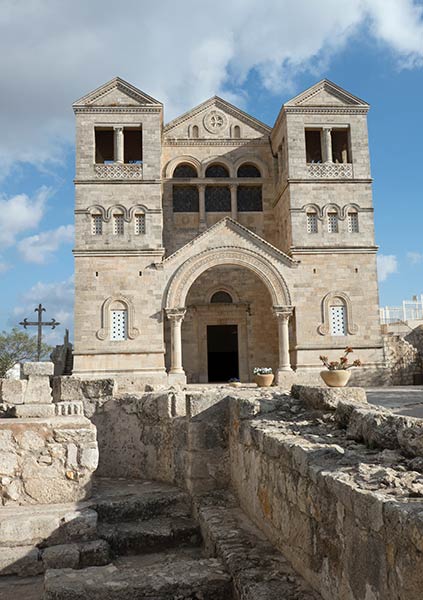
(313, 143)
(118, 144)
(340, 146)
(104, 145)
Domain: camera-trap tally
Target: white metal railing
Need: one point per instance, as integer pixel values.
(118, 171)
(330, 170)
(411, 310)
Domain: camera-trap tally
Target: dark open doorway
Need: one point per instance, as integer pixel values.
(222, 352)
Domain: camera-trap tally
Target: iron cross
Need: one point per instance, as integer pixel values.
(40, 324)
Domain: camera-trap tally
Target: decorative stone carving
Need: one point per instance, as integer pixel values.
(118, 171)
(215, 121)
(330, 170)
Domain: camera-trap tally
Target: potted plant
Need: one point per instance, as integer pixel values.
(263, 376)
(234, 382)
(337, 373)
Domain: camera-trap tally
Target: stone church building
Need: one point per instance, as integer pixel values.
(215, 243)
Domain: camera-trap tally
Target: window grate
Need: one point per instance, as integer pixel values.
(338, 320)
(97, 225)
(312, 223)
(118, 325)
(118, 225)
(139, 224)
(353, 222)
(333, 222)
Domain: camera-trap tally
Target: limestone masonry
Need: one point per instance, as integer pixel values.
(215, 244)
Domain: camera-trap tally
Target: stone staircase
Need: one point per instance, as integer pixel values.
(156, 550)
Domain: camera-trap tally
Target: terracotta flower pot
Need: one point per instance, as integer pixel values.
(264, 380)
(335, 378)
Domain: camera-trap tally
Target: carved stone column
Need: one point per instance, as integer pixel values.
(202, 206)
(234, 202)
(283, 313)
(327, 144)
(176, 316)
(118, 142)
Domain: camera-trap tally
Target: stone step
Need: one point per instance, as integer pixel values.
(141, 537)
(167, 578)
(142, 505)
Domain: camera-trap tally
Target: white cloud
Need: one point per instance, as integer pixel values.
(39, 248)
(21, 213)
(387, 264)
(180, 52)
(57, 298)
(415, 257)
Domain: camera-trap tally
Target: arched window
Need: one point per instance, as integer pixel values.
(139, 223)
(118, 224)
(194, 131)
(352, 222)
(332, 221)
(312, 222)
(249, 198)
(337, 317)
(185, 171)
(118, 321)
(237, 132)
(217, 171)
(248, 170)
(218, 199)
(185, 198)
(221, 297)
(96, 224)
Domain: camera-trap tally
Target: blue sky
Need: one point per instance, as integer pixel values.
(255, 54)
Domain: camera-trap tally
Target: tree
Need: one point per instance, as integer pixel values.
(19, 346)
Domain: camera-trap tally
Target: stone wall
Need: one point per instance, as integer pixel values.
(338, 511)
(403, 357)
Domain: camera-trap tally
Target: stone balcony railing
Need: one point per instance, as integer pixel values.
(118, 171)
(330, 170)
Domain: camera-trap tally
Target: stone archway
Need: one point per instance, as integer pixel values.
(187, 273)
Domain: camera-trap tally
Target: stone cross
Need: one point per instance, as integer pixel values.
(40, 324)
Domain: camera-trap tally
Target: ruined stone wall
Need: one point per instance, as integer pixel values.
(403, 358)
(338, 511)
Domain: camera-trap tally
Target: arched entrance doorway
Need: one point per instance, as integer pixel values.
(189, 295)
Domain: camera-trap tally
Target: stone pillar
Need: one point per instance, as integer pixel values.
(234, 202)
(327, 144)
(118, 139)
(176, 316)
(283, 313)
(202, 206)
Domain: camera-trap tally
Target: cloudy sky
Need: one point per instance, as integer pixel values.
(255, 53)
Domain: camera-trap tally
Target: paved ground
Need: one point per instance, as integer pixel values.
(407, 400)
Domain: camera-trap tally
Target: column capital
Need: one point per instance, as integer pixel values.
(283, 312)
(175, 314)
(233, 186)
(201, 186)
(118, 127)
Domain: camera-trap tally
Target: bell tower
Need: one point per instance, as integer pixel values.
(118, 225)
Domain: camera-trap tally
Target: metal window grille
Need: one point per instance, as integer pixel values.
(97, 225)
(118, 225)
(311, 223)
(139, 224)
(333, 222)
(338, 320)
(353, 222)
(118, 324)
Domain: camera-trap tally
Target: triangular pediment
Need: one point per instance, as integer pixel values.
(216, 110)
(326, 93)
(116, 92)
(229, 233)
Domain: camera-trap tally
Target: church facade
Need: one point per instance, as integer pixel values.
(215, 244)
